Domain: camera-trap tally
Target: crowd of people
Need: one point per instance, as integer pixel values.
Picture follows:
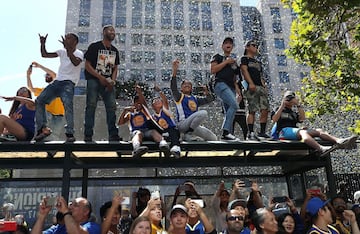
(238, 210)
(238, 83)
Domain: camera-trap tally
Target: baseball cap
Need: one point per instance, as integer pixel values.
(228, 39)
(289, 94)
(237, 202)
(314, 205)
(357, 196)
(178, 207)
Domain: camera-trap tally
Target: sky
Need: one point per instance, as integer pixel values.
(20, 23)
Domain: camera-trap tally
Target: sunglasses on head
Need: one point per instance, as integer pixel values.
(233, 218)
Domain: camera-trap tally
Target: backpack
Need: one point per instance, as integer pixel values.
(274, 133)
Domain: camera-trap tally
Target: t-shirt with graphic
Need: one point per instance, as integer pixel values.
(254, 69)
(102, 59)
(227, 74)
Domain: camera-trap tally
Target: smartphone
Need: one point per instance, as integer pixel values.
(200, 202)
(51, 201)
(155, 195)
(281, 199)
(247, 183)
(315, 192)
(126, 201)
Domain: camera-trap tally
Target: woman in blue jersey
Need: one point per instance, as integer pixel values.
(189, 117)
(20, 124)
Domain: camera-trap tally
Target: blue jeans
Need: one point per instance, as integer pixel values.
(93, 90)
(63, 89)
(228, 97)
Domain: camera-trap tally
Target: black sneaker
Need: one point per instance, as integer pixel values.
(139, 151)
(263, 135)
(70, 138)
(88, 138)
(115, 138)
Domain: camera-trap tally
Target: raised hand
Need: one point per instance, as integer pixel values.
(43, 38)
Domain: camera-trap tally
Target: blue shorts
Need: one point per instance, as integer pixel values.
(289, 134)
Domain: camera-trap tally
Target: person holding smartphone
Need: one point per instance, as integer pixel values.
(198, 221)
(110, 213)
(290, 113)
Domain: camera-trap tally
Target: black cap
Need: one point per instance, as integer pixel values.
(237, 202)
(230, 39)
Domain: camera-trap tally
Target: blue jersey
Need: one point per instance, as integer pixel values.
(315, 230)
(198, 228)
(186, 106)
(137, 121)
(25, 118)
(164, 120)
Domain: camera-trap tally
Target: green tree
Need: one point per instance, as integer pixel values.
(326, 37)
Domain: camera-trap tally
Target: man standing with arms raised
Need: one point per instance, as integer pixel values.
(101, 66)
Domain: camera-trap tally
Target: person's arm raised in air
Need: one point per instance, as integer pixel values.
(173, 83)
(45, 69)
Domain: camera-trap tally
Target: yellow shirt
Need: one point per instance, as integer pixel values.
(55, 107)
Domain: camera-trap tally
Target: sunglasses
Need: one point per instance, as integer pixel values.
(233, 218)
(256, 46)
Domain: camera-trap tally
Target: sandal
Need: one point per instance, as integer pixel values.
(45, 132)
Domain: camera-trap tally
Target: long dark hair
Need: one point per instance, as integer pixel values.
(16, 104)
(281, 219)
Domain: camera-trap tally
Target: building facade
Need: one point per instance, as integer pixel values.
(150, 34)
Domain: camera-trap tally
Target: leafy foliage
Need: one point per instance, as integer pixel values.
(4, 173)
(326, 37)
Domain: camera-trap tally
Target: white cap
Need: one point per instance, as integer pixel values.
(357, 196)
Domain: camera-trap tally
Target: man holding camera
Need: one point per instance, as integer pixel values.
(292, 112)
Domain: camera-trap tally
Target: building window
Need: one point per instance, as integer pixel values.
(207, 58)
(197, 74)
(195, 58)
(281, 59)
(178, 15)
(83, 37)
(136, 39)
(166, 57)
(150, 74)
(279, 43)
(166, 40)
(120, 20)
(149, 40)
(135, 74)
(122, 56)
(165, 14)
(179, 40)
(149, 14)
(108, 6)
(195, 41)
(194, 15)
(136, 14)
(284, 77)
(84, 14)
(206, 16)
(120, 38)
(277, 28)
(149, 57)
(208, 41)
(180, 56)
(136, 56)
(276, 19)
(165, 74)
(228, 17)
(304, 75)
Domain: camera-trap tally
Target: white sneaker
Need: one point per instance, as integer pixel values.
(163, 145)
(229, 137)
(252, 137)
(175, 151)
